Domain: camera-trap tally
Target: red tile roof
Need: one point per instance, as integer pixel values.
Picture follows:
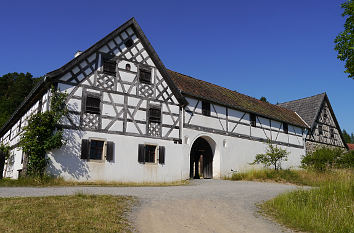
(220, 95)
(351, 146)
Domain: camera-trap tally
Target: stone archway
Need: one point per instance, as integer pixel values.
(201, 159)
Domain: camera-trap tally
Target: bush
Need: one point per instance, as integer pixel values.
(325, 158)
(346, 160)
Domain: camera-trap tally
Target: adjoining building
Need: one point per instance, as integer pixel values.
(132, 120)
(317, 112)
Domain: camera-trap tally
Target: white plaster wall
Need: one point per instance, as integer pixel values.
(236, 153)
(66, 161)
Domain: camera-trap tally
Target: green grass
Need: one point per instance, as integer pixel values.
(298, 177)
(52, 181)
(78, 213)
(329, 207)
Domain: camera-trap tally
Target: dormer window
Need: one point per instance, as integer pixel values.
(205, 108)
(109, 67)
(144, 75)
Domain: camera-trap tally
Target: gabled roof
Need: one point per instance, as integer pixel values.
(54, 75)
(223, 96)
(148, 47)
(308, 108)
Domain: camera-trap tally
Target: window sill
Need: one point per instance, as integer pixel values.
(150, 163)
(96, 160)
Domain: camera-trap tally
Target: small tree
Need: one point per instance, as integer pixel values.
(273, 157)
(43, 134)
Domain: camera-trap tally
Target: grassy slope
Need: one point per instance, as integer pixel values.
(327, 208)
(79, 213)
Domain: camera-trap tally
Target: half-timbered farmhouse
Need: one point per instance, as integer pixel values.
(317, 112)
(132, 120)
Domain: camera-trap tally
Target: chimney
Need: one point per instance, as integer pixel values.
(77, 53)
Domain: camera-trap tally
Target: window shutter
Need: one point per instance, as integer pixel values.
(141, 153)
(110, 150)
(85, 147)
(161, 155)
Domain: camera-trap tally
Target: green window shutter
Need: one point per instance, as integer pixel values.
(85, 147)
(141, 153)
(110, 151)
(161, 155)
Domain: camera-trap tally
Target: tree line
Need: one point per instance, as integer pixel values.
(348, 138)
(14, 87)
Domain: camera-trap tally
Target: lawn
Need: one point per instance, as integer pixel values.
(328, 207)
(78, 213)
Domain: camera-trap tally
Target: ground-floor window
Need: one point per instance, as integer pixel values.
(151, 154)
(97, 149)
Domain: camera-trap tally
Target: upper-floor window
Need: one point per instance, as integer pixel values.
(286, 128)
(155, 114)
(332, 132)
(93, 104)
(205, 108)
(109, 67)
(320, 130)
(128, 43)
(127, 67)
(145, 75)
(253, 119)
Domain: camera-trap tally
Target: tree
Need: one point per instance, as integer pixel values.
(14, 87)
(273, 156)
(345, 40)
(352, 138)
(264, 99)
(346, 136)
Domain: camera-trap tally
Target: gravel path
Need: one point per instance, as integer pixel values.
(202, 206)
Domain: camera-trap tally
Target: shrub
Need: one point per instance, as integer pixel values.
(324, 158)
(346, 160)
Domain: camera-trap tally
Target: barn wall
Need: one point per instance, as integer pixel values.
(233, 153)
(66, 162)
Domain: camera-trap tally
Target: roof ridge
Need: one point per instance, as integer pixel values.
(309, 97)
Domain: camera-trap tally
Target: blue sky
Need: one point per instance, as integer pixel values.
(279, 49)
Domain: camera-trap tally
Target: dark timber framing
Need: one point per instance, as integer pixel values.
(52, 77)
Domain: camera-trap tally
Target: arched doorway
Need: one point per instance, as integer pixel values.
(201, 160)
